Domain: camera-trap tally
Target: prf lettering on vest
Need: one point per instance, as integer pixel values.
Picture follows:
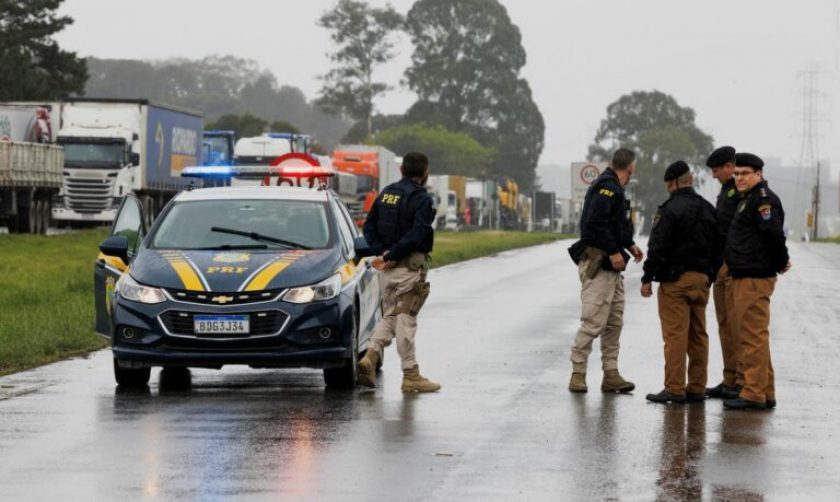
(608, 193)
(390, 199)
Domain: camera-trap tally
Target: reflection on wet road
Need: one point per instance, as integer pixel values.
(496, 334)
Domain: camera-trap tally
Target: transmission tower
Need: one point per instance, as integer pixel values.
(809, 152)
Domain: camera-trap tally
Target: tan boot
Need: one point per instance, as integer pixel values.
(613, 382)
(414, 382)
(367, 368)
(578, 382)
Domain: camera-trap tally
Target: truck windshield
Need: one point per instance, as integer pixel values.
(189, 225)
(93, 155)
(364, 184)
(216, 151)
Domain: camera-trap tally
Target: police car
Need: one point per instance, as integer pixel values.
(264, 276)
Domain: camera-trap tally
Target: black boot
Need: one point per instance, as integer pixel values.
(719, 390)
(694, 398)
(743, 404)
(731, 392)
(665, 397)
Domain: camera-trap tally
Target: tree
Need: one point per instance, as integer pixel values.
(660, 131)
(358, 133)
(243, 125)
(32, 65)
(363, 36)
(465, 71)
(449, 152)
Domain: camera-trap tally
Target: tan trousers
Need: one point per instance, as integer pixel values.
(393, 283)
(724, 295)
(752, 319)
(682, 313)
(602, 314)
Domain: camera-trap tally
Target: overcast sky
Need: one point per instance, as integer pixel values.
(735, 62)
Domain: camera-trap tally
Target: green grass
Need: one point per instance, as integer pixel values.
(46, 298)
(835, 239)
(451, 247)
(46, 288)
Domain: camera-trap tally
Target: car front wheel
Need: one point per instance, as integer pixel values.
(344, 377)
(131, 377)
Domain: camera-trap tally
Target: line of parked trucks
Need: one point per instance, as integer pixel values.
(72, 162)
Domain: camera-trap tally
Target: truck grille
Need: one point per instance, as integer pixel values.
(88, 195)
(261, 323)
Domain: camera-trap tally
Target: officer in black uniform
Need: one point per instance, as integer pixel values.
(683, 256)
(399, 230)
(722, 164)
(755, 253)
(606, 231)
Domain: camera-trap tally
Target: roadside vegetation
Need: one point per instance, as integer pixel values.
(46, 298)
(835, 239)
(46, 289)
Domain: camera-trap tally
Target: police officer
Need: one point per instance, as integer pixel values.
(399, 230)
(722, 164)
(755, 253)
(606, 231)
(683, 256)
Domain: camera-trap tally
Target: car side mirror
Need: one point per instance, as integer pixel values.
(362, 247)
(117, 246)
(134, 158)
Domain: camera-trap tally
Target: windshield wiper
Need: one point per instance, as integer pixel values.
(227, 247)
(259, 237)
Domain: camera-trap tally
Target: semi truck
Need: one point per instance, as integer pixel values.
(113, 147)
(375, 167)
(30, 166)
(217, 148)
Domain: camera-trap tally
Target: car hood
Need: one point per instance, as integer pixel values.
(231, 271)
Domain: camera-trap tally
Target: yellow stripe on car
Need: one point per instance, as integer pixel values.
(185, 272)
(347, 271)
(262, 279)
(113, 261)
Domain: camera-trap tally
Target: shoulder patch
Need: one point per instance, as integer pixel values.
(731, 193)
(765, 211)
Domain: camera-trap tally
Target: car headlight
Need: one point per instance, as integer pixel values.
(324, 290)
(129, 289)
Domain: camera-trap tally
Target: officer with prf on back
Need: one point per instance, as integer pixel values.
(605, 232)
(399, 230)
(683, 256)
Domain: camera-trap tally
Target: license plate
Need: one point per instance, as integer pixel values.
(221, 325)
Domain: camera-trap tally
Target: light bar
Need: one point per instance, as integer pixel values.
(257, 171)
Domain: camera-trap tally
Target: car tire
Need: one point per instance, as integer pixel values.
(131, 377)
(344, 377)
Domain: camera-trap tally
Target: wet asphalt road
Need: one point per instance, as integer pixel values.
(496, 334)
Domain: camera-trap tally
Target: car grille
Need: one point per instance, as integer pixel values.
(261, 323)
(88, 195)
(214, 298)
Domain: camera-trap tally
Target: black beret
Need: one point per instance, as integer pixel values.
(676, 170)
(749, 160)
(721, 156)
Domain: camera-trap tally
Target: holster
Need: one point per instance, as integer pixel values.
(413, 300)
(592, 258)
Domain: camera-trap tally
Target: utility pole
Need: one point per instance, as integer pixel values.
(809, 150)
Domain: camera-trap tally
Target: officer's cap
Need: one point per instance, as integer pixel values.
(721, 156)
(676, 170)
(749, 160)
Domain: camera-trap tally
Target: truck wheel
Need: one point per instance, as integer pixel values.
(344, 377)
(131, 377)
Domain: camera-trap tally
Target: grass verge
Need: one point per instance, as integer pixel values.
(452, 247)
(46, 298)
(46, 288)
(835, 239)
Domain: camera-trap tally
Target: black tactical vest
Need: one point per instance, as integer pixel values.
(395, 218)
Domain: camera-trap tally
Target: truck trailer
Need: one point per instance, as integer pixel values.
(30, 166)
(113, 147)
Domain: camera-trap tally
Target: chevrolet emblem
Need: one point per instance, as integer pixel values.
(221, 300)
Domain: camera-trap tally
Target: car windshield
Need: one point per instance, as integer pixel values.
(190, 225)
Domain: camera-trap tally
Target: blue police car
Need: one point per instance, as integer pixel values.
(261, 276)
